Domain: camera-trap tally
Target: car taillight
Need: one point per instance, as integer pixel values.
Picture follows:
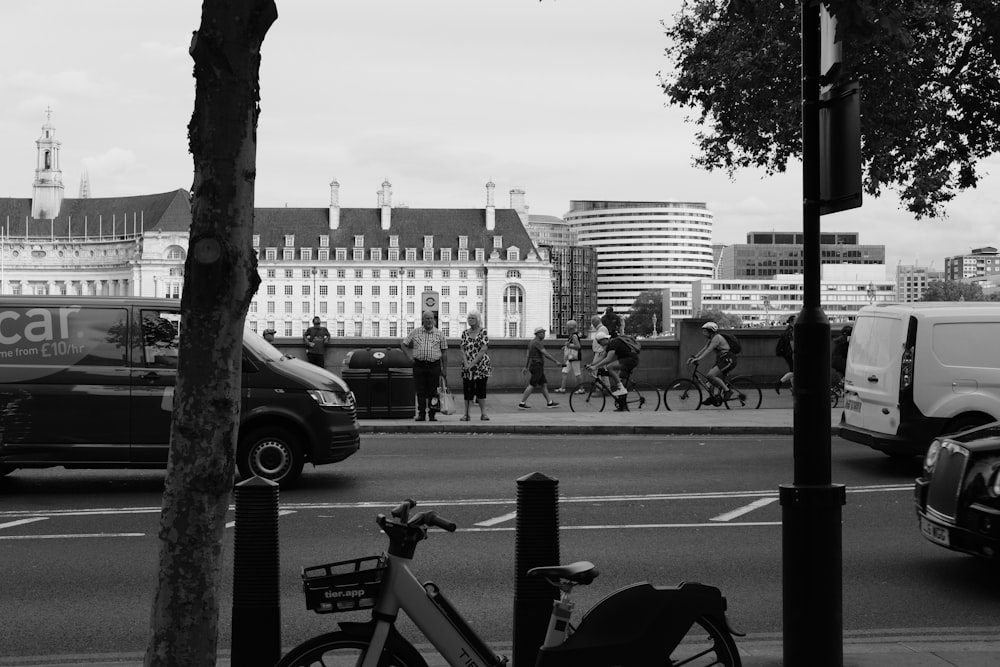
(906, 369)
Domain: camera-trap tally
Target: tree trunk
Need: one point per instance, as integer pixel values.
(220, 278)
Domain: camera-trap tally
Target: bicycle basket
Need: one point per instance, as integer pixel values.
(347, 585)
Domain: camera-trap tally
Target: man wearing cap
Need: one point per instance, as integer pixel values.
(535, 365)
(618, 361)
(429, 348)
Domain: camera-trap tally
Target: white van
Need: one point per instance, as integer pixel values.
(919, 370)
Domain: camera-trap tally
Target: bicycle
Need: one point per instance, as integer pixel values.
(836, 392)
(637, 625)
(592, 396)
(686, 393)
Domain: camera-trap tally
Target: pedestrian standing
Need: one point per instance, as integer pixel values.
(535, 365)
(316, 338)
(571, 358)
(475, 365)
(428, 348)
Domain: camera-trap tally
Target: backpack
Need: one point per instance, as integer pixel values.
(783, 348)
(734, 343)
(633, 344)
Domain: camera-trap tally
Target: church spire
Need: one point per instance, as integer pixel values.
(47, 193)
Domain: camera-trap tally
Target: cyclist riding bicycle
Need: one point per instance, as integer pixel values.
(618, 361)
(725, 360)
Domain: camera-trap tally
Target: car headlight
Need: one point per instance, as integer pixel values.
(331, 399)
(930, 459)
(995, 486)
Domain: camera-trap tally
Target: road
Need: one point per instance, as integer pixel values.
(78, 548)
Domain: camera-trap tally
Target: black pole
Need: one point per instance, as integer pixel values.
(536, 544)
(811, 506)
(256, 628)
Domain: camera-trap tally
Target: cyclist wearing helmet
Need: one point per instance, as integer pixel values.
(724, 360)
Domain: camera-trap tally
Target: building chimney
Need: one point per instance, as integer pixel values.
(334, 204)
(517, 203)
(385, 203)
(491, 209)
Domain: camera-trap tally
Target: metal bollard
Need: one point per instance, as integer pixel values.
(536, 545)
(256, 634)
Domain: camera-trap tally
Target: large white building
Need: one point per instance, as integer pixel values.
(645, 246)
(363, 271)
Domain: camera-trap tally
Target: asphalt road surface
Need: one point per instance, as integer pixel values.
(78, 549)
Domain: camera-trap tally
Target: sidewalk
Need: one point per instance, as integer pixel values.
(773, 418)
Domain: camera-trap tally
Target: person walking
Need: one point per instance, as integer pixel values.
(475, 365)
(316, 338)
(596, 327)
(838, 358)
(571, 358)
(428, 348)
(535, 365)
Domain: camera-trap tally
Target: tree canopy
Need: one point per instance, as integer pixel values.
(952, 290)
(929, 74)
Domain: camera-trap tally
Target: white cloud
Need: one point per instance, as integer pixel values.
(114, 162)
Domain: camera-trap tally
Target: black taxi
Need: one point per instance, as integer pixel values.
(958, 496)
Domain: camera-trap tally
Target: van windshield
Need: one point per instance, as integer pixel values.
(260, 347)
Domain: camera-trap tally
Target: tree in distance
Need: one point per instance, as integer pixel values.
(929, 75)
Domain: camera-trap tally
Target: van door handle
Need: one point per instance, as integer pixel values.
(873, 378)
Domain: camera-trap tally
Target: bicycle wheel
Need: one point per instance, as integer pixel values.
(706, 643)
(340, 649)
(682, 394)
(591, 399)
(642, 396)
(834, 397)
(746, 394)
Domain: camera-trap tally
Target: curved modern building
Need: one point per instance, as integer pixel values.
(643, 246)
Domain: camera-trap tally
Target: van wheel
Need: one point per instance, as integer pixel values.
(272, 453)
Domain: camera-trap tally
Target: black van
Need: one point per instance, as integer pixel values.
(88, 382)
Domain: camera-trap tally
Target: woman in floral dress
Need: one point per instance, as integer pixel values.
(475, 365)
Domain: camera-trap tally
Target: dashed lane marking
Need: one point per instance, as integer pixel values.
(498, 519)
(746, 509)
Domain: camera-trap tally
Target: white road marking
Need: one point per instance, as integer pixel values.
(499, 519)
(746, 509)
(768, 493)
(66, 537)
(21, 522)
(230, 524)
(636, 526)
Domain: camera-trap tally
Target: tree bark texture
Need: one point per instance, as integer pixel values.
(220, 278)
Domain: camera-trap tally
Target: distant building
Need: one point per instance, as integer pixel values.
(645, 245)
(769, 254)
(574, 271)
(363, 271)
(979, 262)
(912, 280)
(769, 302)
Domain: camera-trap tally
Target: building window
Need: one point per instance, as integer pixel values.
(340, 308)
(376, 290)
(359, 241)
(393, 241)
(375, 307)
(322, 308)
(513, 254)
(463, 290)
(463, 274)
(445, 254)
(393, 290)
(270, 290)
(288, 290)
(359, 255)
(340, 290)
(358, 308)
(306, 254)
(411, 254)
(305, 307)
(289, 240)
(340, 254)
(324, 241)
(445, 291)
(323, 255)
(463, 242)
(480, 254)
(359, 290)
(445, 274)
(428, 242)
(497, 242)
(429, 255)
(375, 329)
(376, 254)
(393, 330)
(376, 273)
(514, 274)
(358, 275)
(288, 306)
(323, 290)
(463, 255)
(271, 273)
(270, 254)
(358, 329)
(411, 290)
(428, 274)
(288, 254)
(256, 240)
(340, 329)
(393, 255)
(341, 274)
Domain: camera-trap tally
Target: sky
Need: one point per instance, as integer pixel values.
(559, 98)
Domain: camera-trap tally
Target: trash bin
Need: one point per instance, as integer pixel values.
(382, 382)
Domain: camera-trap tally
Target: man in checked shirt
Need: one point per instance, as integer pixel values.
(428, 348)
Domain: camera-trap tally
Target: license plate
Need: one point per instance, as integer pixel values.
(852, 404)
(934, 532)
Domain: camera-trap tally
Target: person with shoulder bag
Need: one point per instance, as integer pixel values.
(784, 350)
(571, 358)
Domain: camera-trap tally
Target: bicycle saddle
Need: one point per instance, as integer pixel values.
(580, 572)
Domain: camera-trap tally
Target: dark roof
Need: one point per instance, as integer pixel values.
(167, 211)
(171, 212)
(409, 224)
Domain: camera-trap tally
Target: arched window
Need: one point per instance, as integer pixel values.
(513, 310)
(175, 253)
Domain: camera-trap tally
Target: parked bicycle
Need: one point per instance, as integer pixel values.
(836, 392)
(637, 625)
(696, 391)
(593, 396)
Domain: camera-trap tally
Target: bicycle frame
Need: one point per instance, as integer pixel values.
(448, 632)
